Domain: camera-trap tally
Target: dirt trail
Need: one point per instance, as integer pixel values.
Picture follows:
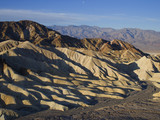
(137, 106)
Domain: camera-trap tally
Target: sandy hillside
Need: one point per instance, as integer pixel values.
(35, 77)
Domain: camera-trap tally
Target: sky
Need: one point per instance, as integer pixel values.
(118, 14)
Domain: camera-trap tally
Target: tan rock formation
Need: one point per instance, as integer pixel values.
(36, 76)
(58, 78)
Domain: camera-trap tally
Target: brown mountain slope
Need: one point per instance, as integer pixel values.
(146, 40)
(44, 37)
(28, 30)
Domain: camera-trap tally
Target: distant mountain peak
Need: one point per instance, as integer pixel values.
(147, 40)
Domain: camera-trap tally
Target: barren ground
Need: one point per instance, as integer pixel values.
(137, 106)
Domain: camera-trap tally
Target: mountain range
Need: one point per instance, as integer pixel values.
(44, 37)
(46, 75)
(146, 40)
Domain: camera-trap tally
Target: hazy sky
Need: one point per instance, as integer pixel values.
(144, 14)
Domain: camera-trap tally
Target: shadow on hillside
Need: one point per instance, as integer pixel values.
(63, 56)
(62, 65)
(123, 69)
(20, 65)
